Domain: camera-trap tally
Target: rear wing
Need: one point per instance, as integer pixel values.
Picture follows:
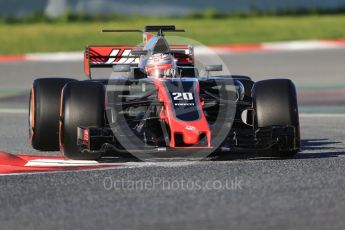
(107, 56)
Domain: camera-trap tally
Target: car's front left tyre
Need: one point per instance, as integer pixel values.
(275, 104)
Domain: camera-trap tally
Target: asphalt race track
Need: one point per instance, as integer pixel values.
(224, 192)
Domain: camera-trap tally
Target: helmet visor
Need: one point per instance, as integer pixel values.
(158, 71)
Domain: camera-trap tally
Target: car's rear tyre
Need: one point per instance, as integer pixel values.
(82, 105)
(44, 106)
(275, 104)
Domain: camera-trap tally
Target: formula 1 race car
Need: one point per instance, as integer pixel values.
(161, 105)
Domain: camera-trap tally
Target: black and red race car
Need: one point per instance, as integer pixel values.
(161, 105)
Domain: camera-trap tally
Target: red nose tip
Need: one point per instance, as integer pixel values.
(191, 137)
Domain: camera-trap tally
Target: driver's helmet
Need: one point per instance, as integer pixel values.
(161, 66)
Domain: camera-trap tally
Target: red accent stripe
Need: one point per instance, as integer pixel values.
(10, 163)
(340, 42)
(12, 58)
(238, 48)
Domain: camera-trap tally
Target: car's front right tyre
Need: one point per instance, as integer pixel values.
(82, 105)
(44, 106)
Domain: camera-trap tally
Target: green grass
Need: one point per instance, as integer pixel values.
(47, 37)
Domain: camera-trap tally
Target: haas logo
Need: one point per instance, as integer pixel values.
(190, 128)
(122, 56)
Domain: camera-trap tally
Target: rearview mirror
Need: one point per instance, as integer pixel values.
(209, 68)
(121, 68)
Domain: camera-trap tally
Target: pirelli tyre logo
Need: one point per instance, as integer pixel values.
(119, 56)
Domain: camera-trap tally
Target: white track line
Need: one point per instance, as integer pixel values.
(54, 57)
(298, 45)
(112, 166)
(67, 163)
